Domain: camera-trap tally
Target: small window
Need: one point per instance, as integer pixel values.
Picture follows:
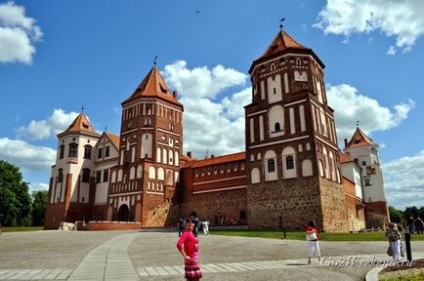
(277, 127)
(290, 163)
(87, 152)
(62, 151)
(60, 175)
(105, 175)
(85, 175)
(107, 152)
(73, 150)
(99, 153)
(271, 165)
(98, 176)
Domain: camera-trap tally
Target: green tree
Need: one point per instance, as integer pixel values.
(15, 202)
(38, 207)
(396, 215)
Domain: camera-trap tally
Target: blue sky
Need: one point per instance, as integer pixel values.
(59, 56)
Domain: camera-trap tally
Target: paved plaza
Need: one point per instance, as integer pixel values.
(152, 255)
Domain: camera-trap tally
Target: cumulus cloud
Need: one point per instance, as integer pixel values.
(357, 107)
(213, 102)
(18, 34)
(26, 156)
(404, 182)
(401, 19)
(43, 129)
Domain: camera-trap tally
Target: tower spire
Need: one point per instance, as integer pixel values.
(281, 23)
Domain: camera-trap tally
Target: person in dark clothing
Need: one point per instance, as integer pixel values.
(181, 227)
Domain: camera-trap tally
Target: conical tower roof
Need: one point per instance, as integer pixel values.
(153, 85)
(358, 139)
(81, 125)
(281, 44)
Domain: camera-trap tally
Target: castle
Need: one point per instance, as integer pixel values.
(291, 171)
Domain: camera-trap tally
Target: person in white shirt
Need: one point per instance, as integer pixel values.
(205, 227)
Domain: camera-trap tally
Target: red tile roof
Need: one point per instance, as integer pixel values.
(280, 44)
(240, 156)
(359, 139)
(114, 139)
(345, 158)
(153, 85)
(81, 125)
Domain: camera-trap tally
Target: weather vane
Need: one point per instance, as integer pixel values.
(82, 108)
(281, 23)
(154, 60)
(357, 123)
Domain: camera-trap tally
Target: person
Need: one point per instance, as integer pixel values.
(196, 224)
(181, 227)
(312, 236)
(419, 225)
(205, 227)
(188, 245)
(393, 236)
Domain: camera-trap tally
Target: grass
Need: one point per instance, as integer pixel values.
(324, 236)
(21, 228)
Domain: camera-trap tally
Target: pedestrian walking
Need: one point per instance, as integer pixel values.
(205, 227)
(393, 236)
(312, 236)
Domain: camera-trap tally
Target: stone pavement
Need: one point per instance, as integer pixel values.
(152, 255)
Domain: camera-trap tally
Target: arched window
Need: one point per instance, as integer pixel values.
(277, 127)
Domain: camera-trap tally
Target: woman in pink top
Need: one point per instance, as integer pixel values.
(188, 245)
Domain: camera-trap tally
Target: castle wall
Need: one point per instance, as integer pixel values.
(219, 207)
(291, 204)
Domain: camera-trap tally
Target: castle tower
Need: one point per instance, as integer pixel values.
(72, 186)
(143, 183)
(366, 154)
(292, 164)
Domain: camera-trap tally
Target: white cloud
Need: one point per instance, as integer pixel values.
(371, 115)
(18, 34)
(213, 115)
(399, 18)
(404, 182)
(202, 82)
(43, 129)
(26, 156)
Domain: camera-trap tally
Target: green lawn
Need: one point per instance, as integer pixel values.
(21, 228)
(300, 235)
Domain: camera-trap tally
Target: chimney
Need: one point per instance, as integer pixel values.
(345, 140)
(189, 154)
(175, 94)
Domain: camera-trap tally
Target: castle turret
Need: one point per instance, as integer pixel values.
(291, 144)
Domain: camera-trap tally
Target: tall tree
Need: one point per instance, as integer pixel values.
(396, 215)
(38, 207)
(15, 201)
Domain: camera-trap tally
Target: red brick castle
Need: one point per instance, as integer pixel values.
(290, 172)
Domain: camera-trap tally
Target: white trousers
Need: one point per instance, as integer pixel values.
(313, 247)
(396, 250)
